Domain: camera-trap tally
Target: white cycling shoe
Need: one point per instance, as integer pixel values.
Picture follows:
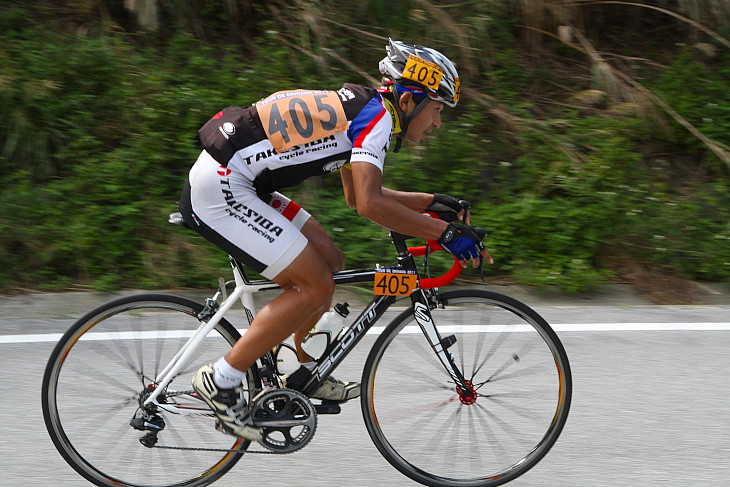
(229, 405)
(337, 390)
(331, 390)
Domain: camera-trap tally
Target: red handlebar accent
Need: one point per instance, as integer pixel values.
(442, 280)
(449, 276)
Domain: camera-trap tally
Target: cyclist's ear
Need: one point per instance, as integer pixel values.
(405, 100)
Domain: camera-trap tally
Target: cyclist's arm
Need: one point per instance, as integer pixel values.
(396, 210)
(414, 201)
(363, 190)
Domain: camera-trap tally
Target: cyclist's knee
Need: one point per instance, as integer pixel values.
(314, 298)
(311, 275)
(320, 292)
(318, 289)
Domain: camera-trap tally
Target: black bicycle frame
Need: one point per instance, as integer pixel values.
(346, 340)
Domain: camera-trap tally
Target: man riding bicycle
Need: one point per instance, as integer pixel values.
(232, 199)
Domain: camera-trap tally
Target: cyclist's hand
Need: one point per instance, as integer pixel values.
(464, 243)
(449, 209)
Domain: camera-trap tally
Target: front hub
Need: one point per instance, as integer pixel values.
(468, 396)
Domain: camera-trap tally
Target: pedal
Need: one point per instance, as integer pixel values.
(328, 407)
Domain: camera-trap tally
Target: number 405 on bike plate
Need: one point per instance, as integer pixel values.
(395, 281)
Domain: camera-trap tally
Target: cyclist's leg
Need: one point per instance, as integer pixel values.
(317, 236)
(308, 289)
(334, 259)
(308, 294)
(323, 244)
(271, 237)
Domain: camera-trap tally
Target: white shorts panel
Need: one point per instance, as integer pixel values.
(226, 201)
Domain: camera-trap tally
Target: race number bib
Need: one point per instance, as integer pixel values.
(295, 117)
(395, 281)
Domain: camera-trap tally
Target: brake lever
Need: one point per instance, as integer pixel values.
(482, 234)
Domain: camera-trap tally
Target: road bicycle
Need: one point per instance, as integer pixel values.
(462, 388)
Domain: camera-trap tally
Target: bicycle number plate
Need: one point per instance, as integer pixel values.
(395, 281)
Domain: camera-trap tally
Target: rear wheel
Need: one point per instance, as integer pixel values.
(514, 362)
(100, 373)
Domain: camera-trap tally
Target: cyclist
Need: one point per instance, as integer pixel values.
(232, 199)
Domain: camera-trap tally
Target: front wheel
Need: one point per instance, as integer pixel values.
(98, 377)
(513, 361)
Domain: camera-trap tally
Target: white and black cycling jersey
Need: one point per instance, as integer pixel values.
(249, 153)
(294, 135)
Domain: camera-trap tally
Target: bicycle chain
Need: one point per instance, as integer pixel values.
(222, 450)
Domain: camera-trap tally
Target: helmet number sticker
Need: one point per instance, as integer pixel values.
(296, 117)
(424, 72)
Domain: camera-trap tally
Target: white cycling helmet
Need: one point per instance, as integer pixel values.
(421, 68)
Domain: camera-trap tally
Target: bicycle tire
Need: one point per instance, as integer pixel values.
(94, 380)
(517, 366)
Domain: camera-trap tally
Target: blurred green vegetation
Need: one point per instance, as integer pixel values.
(589, 151)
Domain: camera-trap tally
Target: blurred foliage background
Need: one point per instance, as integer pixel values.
(592, 136)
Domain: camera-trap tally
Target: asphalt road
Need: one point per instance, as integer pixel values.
(651, 405)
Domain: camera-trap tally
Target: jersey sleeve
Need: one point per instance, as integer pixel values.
(370, 132)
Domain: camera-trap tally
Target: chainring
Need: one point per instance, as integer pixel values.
(287, 417)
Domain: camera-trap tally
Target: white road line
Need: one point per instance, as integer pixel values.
(710, 326)
(376, 330)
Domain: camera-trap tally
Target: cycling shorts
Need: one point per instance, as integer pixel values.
(222, 205)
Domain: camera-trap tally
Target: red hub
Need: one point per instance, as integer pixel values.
(468, 397)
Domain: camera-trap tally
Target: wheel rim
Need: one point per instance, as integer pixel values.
(435, 433)
(101, 376)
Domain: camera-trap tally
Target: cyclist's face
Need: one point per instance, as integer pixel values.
(424, 122)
